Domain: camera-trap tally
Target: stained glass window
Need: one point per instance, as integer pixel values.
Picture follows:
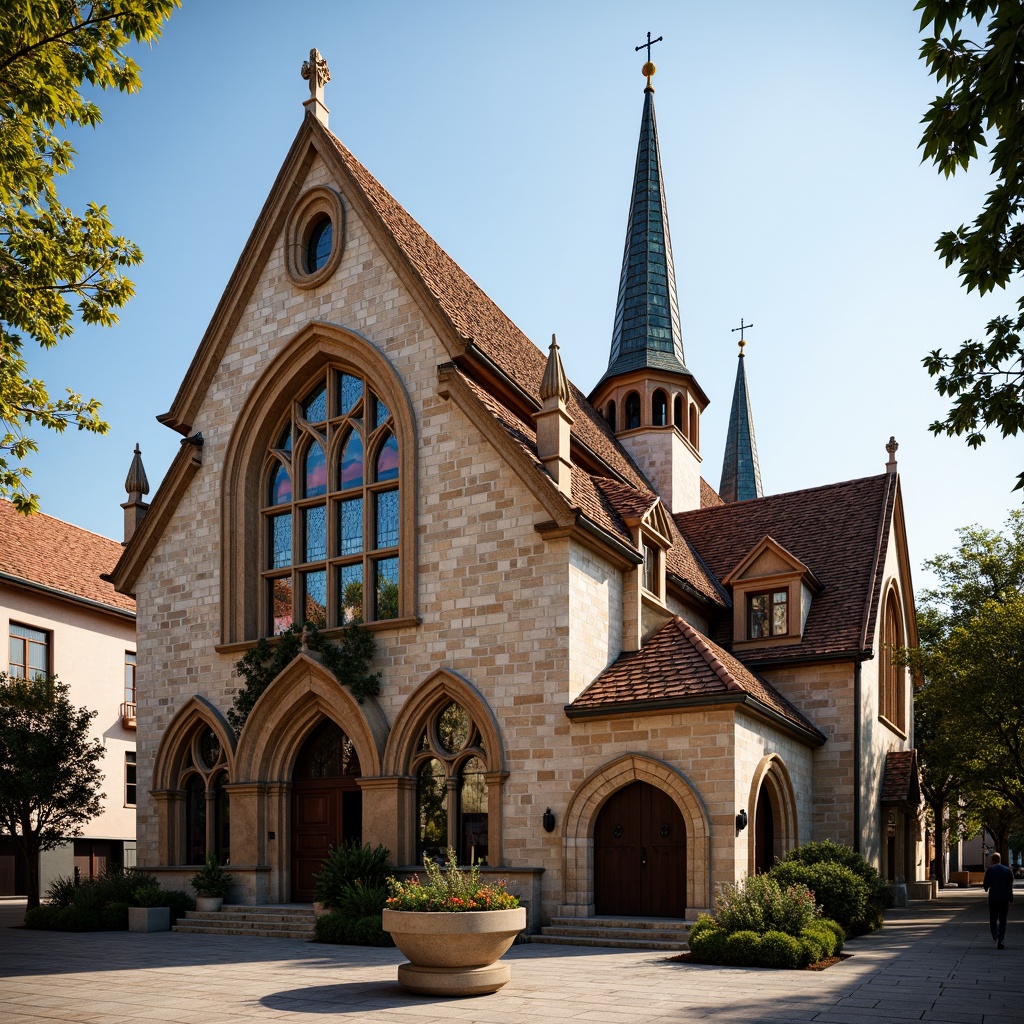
(341, 514)
(318, 248)
(768, 614)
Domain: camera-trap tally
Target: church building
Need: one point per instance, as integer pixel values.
(598, 675)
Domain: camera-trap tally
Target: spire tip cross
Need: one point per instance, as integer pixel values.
(650, 42)
(743, 327)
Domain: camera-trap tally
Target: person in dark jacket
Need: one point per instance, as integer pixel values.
(999, 886)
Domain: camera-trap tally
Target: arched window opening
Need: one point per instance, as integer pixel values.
(892, 696)
(632, 411)
(344, 529)
(694, 439)
(659, 409)
(318, 248)
(204, 780)
(610, 416)
(677, 413)
(451, 788)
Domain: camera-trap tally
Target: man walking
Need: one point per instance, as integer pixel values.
(999, 886)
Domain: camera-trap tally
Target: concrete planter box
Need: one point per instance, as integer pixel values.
(454, 954)
(919, 891)
(149, 919)
(209, 904)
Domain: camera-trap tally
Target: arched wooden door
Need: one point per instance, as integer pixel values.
(640, 854)
(327, 805)
(764, 833)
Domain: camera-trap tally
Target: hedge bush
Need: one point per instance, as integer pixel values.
(341, 929)
(742, 949)
(841, 894)
(780, 950)
(762, 903)
(346, 865)
(708, 945)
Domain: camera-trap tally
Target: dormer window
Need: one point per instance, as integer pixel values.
(652, 577)
(768, 614)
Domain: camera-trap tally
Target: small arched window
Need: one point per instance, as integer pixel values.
(318, 248)
(632, 411)
(204, 779)
(610, 416)
(332, 539)
(451, 789)
(693, 438)
(892, 692)
(677, 413)
(659, 409)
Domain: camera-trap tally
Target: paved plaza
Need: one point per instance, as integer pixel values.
(932, 962)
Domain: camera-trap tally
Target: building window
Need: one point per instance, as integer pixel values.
(892, 698)
(659, 409)
(332, 514)
(451, 788)
(610, 416)
(651, 573)
(204, 778)
(130, 779)
(29, 652)
(632, 411)
(694, 439)
(768, 614)
(318, 248)
(677, 412)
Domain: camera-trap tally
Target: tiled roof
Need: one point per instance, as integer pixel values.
(900, 783)
(676, 664)
(834, 530)
(609, 502)
(59, 556)
(475, 316)
(709, 497)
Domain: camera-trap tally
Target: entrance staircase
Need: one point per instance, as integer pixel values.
(657, 933)
(279, 921)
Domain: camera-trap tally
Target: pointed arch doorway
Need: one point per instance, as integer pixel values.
(327, 804)
(640, 854)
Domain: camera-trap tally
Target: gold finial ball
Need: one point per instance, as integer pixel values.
(648, 69)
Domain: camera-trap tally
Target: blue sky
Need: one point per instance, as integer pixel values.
(796, 198)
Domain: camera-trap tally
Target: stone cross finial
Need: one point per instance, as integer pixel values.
(318, 74)
(890, 466)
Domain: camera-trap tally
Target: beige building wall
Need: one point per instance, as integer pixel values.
(595, 617)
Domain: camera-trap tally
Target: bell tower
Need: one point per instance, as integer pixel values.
(651, 401)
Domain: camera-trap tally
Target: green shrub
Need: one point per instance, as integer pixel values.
(743, 949)
(148, 896)
(89, 896)
(61, 891)
(449, 889)
(760, 903)
(114, 917)
(780, 950)
(358, 900)
(80, 919)
(708, 945)
(829, 852)
(837, 930)
(212, 880)
(815, 943)
(340, 929)
(825, 935)
(44, 917)
(119, 883)
(347, 864)
(842, 895)
(704, 923)
(179, 901)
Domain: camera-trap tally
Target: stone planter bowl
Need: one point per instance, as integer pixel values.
(454, 954)
(209, 904)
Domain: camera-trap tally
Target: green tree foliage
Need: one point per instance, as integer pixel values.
(49, 769)
(55, 264)
(982, 108)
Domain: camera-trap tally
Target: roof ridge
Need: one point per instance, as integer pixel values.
(704, 650)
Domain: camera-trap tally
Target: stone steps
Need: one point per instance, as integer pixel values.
(288, 921)
(664, 934)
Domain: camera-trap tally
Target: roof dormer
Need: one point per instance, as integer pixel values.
(772, 592)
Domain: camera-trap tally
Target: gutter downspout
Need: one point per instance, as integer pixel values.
(857, 666)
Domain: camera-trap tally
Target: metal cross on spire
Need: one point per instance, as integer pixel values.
(742, 328)
(650, 42)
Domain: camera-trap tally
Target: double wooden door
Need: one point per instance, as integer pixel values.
(640, 854)
(325, 813)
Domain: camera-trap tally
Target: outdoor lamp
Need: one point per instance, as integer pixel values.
(548, 821)
(741, 821)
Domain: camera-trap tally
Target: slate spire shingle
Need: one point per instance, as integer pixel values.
(646, 331)
(741, 472)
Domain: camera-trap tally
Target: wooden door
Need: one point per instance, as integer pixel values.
(640, 854)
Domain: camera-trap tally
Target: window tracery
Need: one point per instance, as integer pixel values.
(203, 780)
(892, 696)
(332, 514)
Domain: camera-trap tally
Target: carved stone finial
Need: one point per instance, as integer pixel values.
(136, 483)
(554, 384)
(890, 466)
(316, 72)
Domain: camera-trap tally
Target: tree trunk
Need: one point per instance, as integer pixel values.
(31, 877)
(939, 814)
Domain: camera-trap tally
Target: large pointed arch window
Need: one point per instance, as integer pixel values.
(331, 519)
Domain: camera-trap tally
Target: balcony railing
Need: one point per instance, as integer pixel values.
(128, 715)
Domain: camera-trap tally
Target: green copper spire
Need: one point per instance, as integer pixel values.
(646, 331)
(741, 472)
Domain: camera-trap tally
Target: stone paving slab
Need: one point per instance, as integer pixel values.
(932, 962)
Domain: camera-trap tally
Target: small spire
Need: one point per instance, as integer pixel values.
(890, 466)
(316, 72)
(554, 383)
(136, 483)
(741, 469)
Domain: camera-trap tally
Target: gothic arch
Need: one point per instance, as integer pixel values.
(311, 350)
(301, 696)
(772, 774)
(176, 741)
(581, 815)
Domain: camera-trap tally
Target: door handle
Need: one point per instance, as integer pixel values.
(643, 856)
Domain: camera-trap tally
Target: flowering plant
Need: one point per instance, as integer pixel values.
(449, 890)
